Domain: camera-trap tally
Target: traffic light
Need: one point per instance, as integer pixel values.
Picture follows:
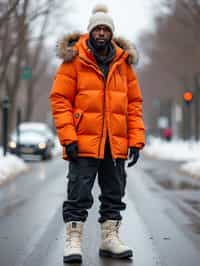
(188, 96)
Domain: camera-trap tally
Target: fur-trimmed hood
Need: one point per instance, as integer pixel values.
(65, 48)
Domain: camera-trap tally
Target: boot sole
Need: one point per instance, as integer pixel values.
(124, 255)
(72, 259)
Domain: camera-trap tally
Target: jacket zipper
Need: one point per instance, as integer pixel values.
(102, 128)
(91, 65)
(117, 59)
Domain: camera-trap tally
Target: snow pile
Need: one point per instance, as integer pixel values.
(177, 150)
(192, 168)
(10, 166)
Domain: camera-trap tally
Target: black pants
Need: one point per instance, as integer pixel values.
(112, 182)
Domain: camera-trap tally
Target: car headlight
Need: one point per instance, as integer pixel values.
(42, 146)
(12, 144)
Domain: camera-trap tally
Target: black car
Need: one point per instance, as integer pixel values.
(33, 139)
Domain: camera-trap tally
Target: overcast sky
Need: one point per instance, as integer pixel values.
(131, 17)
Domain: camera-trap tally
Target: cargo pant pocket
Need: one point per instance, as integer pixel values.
(122, 175)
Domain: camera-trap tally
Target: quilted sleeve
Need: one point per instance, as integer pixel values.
(61, 99)
(136, 132)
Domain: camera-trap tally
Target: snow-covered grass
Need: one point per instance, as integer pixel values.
(10, 166)
(177, 150)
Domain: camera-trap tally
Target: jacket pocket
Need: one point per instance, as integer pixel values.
(78, 114)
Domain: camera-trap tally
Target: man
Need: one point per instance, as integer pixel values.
(97, 108)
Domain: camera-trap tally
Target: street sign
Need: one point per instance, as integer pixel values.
(156, 103)
(26, 73)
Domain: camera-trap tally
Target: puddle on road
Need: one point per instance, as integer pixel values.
(194, 226)
(172, 184)
(182, 185)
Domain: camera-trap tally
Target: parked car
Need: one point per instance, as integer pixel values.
(34, 138)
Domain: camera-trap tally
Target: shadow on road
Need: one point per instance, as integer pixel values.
(115, 262)
(105, 262)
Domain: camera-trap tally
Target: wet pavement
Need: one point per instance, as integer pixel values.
(181, 190)
(161, 222)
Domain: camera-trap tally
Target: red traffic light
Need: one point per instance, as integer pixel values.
(188, 96)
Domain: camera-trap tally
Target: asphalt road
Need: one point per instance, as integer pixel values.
(161, 222)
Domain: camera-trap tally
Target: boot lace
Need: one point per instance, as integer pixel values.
(113, 234)
(74, 239)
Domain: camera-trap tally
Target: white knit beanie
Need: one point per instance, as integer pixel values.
(100, 16)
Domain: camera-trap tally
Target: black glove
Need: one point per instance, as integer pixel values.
(72, 151)
(134, 154)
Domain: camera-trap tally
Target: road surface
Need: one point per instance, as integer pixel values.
(161, 222)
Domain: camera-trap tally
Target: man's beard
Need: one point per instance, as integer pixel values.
(98, 46)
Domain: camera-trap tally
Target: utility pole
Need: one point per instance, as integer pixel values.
(18, 131)
(196, 106)
(5, 107)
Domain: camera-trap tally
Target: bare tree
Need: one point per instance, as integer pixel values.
(12, 81)
(36, 62)
(20, 46)
(174, 54)
(7, 10)
(36, 59)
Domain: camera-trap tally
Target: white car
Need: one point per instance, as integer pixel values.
(32, 138)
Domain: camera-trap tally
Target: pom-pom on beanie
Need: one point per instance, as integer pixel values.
(100, 16)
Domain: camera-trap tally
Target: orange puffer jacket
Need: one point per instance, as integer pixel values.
(86, 107)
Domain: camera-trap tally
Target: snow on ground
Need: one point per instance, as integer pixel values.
(177, 150)
(187, 151)
(10, 166)
(193, 168)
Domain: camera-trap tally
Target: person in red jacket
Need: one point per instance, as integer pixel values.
(97, 108)
(167, 133)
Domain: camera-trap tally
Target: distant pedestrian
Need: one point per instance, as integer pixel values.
(97, 108)
(167, 133)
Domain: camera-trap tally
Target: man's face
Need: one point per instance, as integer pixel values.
(102, 35)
